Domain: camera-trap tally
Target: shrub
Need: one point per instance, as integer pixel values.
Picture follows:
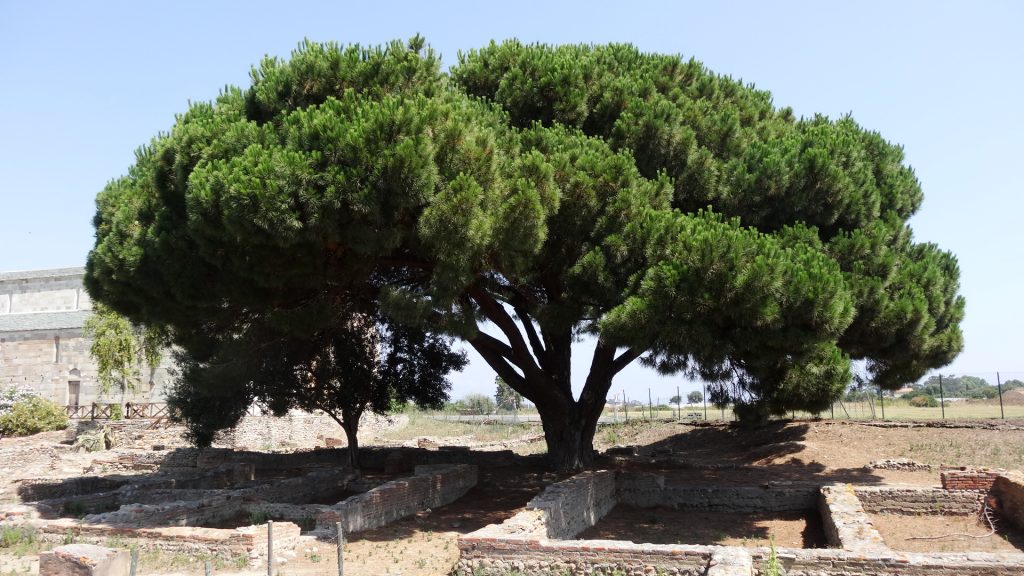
(924, 401)
(31, 416)
(479, 404)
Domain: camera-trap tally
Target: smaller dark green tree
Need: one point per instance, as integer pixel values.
(478, 404)
(121, 350)
(344, 370)
(505, 397)
(695, 397)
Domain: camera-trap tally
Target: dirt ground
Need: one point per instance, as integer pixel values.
(668, 526)
(814, 451)
(945, 534)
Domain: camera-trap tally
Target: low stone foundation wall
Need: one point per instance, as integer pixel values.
(217, 505)
(796, 562)
(429, 487)
(537, 541)
(912, 500)
(391, 460)
(650, 490)
(573, 505)
(170, 519)
(504, 556)
(846, 524)
(251, 540)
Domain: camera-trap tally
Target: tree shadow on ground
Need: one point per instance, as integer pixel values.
(732, 454)
(793, 529)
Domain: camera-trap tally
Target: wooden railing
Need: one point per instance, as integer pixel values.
(128, 411)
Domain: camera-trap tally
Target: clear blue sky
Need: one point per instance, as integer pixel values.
(83, 84)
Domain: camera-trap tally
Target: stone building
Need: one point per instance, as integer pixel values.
(42, 314)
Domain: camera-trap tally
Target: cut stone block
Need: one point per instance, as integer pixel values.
(84, 560)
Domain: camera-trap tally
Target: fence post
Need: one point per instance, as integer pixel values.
(625, 406)
(209, 568)
(942, 398)
(134, 566)
(679, 405)
(341, 546)
(650, 406)
(999, 384)
(881, 400)
(270, 548)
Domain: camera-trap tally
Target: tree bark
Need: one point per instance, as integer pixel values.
(351, 426)
(538, 366)
(569, 433)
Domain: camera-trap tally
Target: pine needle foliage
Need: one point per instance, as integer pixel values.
(532, 195)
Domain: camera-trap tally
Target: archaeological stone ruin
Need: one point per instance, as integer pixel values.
(545, 538)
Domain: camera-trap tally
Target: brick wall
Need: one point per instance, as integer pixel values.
(967, 478)
(510, 555)
(1008, 489)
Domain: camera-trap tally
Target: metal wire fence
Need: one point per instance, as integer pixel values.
(971, 396)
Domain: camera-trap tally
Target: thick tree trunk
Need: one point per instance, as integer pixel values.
(570, 437)
(570, 425)
(537, 364)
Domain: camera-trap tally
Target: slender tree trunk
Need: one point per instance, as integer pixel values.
(351, 426)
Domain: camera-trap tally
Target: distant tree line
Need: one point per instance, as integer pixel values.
(926, 393)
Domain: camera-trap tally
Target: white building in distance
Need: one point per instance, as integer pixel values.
(42, 315)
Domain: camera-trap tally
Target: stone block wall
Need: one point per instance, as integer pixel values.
(430, 487)
(650, 490)
(1008, 490)
(521, 544)
(845, 523)
(573, 505)
(914, 500)
(213, 505)
(30, 358)
(186, 539)
(968, 478)
(84, 560)
(42, 313)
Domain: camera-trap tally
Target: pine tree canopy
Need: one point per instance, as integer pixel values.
(669, 212)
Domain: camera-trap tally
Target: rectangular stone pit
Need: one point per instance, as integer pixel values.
(543, 539)
(182, 524)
